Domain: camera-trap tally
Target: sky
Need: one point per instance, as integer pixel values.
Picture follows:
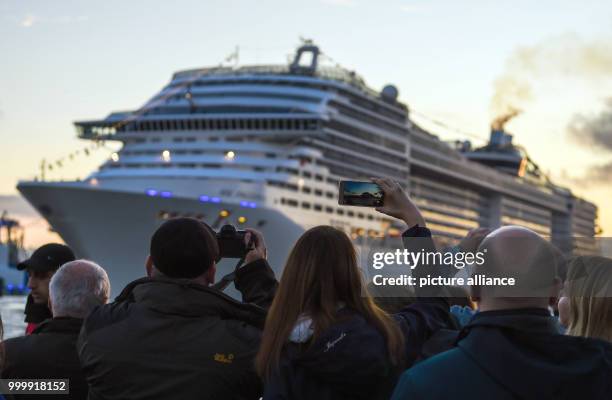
(64, 61)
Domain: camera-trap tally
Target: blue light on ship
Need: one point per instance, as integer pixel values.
(166, 194)
(204, 198)
(215, 200)
(252, 204)
(151, 192)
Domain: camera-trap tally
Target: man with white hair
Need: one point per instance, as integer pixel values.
(50, 351)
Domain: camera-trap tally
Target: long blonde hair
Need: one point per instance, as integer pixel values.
(320, 273)
(589, 289)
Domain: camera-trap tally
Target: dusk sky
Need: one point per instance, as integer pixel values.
(456, 62)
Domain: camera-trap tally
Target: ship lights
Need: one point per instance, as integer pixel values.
(115, 157)
(248, 204)
(242, 220)
(204, 199)
(166, 156)
(165, 194)
(151, 192)
(230, 155)
(224, 213)
(94, 182)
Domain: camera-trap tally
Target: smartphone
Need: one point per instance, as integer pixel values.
(362, 194)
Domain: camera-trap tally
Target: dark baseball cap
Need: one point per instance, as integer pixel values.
(48, 258)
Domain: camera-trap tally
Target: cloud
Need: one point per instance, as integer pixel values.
(339, 3)
(567, 56)
(29, 20)
(593, 131)
(595, 175)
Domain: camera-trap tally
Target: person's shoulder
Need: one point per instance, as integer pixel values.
(16, 343)
(419, 380)
(105, 315)
(18, 351)
(440, 362)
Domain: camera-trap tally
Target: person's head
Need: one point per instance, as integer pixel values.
(586, 305)
(41, 266)
(183, 248)
(519, 253)
(321, 274)
(76, 288)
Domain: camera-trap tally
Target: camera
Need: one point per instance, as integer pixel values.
(231, 242)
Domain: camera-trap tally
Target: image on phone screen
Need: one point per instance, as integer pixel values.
(363, 194)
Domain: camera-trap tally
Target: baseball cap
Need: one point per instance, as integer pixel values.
(48, 257)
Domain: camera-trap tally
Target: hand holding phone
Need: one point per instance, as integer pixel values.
(398, 204)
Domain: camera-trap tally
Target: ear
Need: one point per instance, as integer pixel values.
(210, 273)
(556, 291)
(149, 266)
(475, 293)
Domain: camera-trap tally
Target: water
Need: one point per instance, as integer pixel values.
(11, 311)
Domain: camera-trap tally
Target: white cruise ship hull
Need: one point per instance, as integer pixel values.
(113, 227)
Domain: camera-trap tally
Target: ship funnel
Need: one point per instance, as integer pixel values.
(306, 58)
(499, 138)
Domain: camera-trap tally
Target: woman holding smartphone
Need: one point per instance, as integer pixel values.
(324, 337)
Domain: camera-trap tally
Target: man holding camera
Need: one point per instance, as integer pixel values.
(170, 335)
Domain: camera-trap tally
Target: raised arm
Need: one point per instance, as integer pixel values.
(255, 280)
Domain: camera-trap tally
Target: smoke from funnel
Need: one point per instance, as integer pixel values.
(500, 121)
(565, 56)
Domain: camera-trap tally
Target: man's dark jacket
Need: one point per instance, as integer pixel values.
(350, 360)
(49, 352)
(174, 339)
(513, 354)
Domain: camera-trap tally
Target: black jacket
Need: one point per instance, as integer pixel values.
(49, 352)
(513, 354)
(357, 366)
(172, 339)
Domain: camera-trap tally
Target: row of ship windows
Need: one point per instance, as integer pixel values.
(234, 109)
(330, 210)
(366, 135)
(360, 166)
(369, 105)
(303, 189)
(190, 95)
(368, 119)
(219, 124)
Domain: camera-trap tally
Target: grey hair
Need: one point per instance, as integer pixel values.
(77, 287)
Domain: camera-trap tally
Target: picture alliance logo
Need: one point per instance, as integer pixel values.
(404, 257)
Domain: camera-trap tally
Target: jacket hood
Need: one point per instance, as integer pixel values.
(188, 299)
(514, 344)
(352, 352)
(67, 325)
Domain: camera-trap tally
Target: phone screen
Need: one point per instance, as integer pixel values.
(363, 194)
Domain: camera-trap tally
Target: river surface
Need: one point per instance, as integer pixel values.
(11, 311)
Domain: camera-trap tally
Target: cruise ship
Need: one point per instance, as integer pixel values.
(265, 147)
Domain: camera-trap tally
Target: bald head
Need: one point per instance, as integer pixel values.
(77, 287)
(520, 253)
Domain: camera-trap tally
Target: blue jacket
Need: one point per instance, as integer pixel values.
(513, 354)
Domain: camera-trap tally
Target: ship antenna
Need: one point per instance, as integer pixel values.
(234, 56)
